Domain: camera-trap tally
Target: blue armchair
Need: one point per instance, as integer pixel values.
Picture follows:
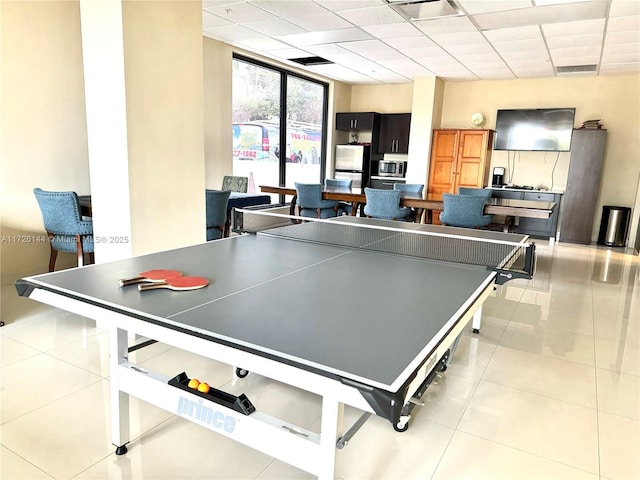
(216, 211)
(311, 204)
(385, 204)
(464, 211)
(409, 187)
(65, 226)
(338, 182)
(343, 207)
(475, 192)
(235, 184)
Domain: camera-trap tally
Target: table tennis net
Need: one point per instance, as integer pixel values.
(512, 259)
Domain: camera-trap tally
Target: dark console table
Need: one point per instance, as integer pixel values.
(536, 227)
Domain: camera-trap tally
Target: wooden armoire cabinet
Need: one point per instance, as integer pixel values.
(459, 158)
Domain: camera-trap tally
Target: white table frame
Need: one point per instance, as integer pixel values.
(306, 450)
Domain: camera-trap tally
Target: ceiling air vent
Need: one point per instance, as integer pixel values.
(577, 70)
(310, 61)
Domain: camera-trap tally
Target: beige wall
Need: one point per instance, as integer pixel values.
(390, 98)
(218, 136)
(44, 136)
(164, 82)
(615, 100)
(43, 133)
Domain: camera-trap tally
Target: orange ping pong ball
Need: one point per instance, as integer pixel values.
(194, 383)
(203, 387)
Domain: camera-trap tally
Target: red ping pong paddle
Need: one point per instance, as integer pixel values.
(150, 276)
(176, 283)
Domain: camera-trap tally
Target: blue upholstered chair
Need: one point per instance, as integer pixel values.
(409, 187)
(464, 211)
(235, 184)
(216, 208)
(385, 204)
(476, 192)
(338, 182)
(343, 207)
(311, 204)
(67, 230)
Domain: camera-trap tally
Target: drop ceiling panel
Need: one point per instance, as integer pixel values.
(370, 15)
(513, 34)
(474, 7)
(445, 25)
(531, 36)
(574, 41)
(286, 53)
(290, 10)
(622, 24)
(542, 15)
(324, 37)
(574, 28)
(407, 43)
(406, 67)
(623, 8)
(392, 30)
(210, 20)
(275, 27)
(520, 45)
(471, 49)
(446, 39)
(322, 21)
(620, 68)
(374, 49)
(336, 5)
(241, 13)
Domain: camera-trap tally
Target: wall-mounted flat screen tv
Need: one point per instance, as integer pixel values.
(542, 129)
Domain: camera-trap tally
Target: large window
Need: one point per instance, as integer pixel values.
(279, 125)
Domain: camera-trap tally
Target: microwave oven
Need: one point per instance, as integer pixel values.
(387, 168)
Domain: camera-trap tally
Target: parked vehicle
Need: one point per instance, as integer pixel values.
(259, 141)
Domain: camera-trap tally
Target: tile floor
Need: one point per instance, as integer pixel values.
(549, 389)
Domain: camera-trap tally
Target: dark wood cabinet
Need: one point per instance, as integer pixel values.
(583, 185)
(356, 121)
(394, 133)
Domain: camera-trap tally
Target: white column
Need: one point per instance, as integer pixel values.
(104, 81)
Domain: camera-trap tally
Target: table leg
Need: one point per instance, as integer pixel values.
(292, 207)
(120, 434)
(476, 321)
(330, 431)
(418, 215)
(429, 216)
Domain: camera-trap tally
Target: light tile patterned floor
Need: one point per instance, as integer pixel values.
(549, 389)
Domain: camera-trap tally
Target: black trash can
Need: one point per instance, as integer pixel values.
(614, 226)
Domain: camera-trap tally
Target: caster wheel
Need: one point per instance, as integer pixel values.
(121, 450)
(476, 330)
(444, 368)
(241, 372)
(398, 428)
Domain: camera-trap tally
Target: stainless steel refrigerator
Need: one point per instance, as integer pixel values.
(352, 162)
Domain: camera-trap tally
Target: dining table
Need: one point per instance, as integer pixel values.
(426, 204)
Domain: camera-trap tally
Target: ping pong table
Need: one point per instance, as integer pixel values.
(275, 307)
